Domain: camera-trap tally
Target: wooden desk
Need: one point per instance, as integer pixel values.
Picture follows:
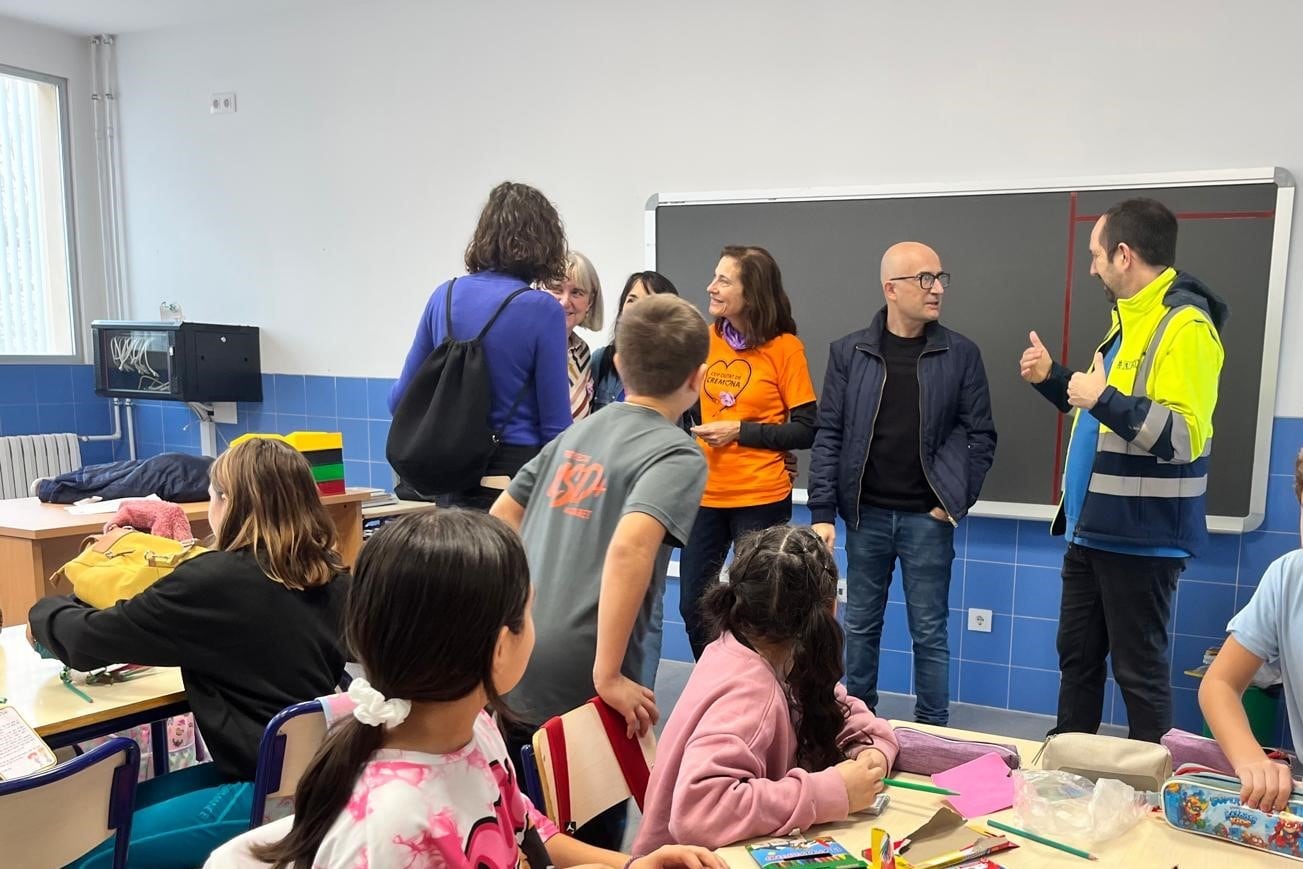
(37, 539)
(1151, 844)
(31, 685)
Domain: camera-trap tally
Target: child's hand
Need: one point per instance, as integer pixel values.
(688, 856)
(637, 703)
(875, 761)
(1265, 784)
(861, 785)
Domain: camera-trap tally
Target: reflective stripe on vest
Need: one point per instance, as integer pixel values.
(1150, 430)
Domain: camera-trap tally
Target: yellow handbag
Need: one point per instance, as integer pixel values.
(121, 563)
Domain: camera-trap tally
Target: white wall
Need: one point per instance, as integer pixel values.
(347, 183)
(40, 49)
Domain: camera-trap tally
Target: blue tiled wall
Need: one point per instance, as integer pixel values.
(56, 398)
(1009, 567)
(35, 399)
(354, 406)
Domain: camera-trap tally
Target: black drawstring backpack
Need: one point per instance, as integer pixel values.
(440, 440)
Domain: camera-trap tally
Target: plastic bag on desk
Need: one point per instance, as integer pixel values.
(1059, 804)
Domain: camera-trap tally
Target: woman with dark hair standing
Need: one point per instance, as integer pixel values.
(607, 386)
(757, 403)
(518, 243)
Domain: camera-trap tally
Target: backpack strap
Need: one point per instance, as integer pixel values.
(447, 317)
(511, 411)
(515, 402)
(496, 314)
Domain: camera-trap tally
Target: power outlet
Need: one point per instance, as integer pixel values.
(841, 590)
(979, 620)
(224, 411)
(222, 104)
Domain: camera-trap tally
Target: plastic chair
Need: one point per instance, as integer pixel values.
(55, 816)
(583, 764)
(287, 747)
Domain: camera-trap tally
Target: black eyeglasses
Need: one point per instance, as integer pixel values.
(927, 279)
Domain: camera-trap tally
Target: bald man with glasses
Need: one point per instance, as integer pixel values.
(904, 441)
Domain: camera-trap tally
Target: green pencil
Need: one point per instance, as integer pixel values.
(1041, 839)
(915, 786)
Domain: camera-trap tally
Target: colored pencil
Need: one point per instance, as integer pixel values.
(915, 786)
(1041, 839)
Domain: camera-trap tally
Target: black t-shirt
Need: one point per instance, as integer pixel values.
(893, 474)
(247, 646)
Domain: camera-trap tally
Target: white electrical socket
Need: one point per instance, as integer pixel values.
(979, 620)
(222, 104)
(841, 590)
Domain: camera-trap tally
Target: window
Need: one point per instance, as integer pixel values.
(37, 272)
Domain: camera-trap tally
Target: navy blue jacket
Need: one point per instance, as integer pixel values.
(175, 477)
(956, 430)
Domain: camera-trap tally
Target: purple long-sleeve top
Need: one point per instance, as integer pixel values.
(526, 344)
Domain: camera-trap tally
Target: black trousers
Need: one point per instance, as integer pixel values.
(715, 530)
(1118, 605)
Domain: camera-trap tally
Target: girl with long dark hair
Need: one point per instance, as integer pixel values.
(418, 775)
(764, 738)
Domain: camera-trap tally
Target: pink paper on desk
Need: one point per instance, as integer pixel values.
(985, 785)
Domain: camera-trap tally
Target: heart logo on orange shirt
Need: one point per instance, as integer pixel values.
(727, 378)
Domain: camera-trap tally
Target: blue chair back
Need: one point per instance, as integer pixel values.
(38, 813)
(529, 777)
(288, 744)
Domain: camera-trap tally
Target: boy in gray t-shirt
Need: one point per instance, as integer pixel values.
(596, 510)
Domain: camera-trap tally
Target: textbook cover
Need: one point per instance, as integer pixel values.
(823, 852)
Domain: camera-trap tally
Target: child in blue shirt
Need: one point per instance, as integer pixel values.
(1269, 628)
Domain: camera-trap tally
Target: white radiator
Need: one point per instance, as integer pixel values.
(26, 458)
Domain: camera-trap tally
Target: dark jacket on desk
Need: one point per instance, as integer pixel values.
(174, 477)
(247, 646)
(955, 427)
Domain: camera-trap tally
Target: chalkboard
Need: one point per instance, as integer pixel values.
(1020, 261)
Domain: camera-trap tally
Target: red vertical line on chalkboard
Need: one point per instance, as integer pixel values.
(1063, 356)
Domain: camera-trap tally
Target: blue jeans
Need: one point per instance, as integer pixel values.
(926, 548)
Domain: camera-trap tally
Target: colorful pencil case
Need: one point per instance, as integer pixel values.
(1209, 804)
(927, 753)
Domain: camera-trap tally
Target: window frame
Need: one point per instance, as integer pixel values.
(60, 85)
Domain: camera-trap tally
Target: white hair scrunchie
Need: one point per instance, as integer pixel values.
(373, 709)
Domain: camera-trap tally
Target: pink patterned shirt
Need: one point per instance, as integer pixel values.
(411, 810)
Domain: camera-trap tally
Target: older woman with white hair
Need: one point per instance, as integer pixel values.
(580, 295)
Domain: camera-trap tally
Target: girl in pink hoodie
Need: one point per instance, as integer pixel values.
(765, 739)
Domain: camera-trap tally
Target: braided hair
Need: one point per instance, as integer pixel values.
(782, 590)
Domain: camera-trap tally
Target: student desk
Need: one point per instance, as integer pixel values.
(1151, 844)
(31, 685)
(37, 539)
